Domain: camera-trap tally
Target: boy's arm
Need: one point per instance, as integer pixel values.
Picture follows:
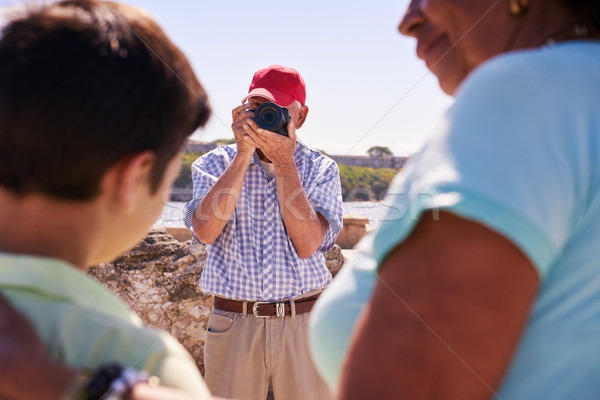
(27, 371)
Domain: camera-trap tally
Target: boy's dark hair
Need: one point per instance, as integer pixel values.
(84, 84)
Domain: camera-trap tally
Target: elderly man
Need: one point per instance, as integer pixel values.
(267, 207)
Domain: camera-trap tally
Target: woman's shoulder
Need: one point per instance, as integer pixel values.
(545, 66)
(553, 74)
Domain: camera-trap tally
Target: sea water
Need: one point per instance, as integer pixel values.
(172, 214)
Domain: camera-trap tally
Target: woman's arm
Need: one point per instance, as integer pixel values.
(445, 318)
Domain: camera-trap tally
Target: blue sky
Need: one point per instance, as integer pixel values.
(365, 85)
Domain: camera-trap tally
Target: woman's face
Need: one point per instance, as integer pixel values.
(455, 36)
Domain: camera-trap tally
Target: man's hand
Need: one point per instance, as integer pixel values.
(240, 116)
(304, 225)
(277, 148)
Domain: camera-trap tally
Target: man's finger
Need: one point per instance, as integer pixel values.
(239, 109)
(255, 133)
(249, 141)
(258, 129)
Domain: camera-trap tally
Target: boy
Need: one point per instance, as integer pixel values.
(95, 105)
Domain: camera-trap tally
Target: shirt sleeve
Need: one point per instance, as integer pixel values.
(509, 155)
(176, 368)
(326, 199)
(206, 170)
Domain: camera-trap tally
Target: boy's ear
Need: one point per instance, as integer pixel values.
(128, 180)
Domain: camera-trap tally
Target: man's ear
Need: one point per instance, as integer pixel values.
(302, 113)
(128, 180)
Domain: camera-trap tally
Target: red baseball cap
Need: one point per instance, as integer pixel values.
(282, 85)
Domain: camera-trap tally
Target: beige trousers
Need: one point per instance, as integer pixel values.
(244, 353)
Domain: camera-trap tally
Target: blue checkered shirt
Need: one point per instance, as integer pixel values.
(254, 259)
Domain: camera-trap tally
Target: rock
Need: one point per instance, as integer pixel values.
(334, 259)
(179, 232)
(156, 245)
(159, 280)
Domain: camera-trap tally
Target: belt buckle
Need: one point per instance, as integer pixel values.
(279, 309)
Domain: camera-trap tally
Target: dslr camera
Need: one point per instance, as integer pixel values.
(273, 118)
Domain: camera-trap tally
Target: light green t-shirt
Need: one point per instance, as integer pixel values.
(86, 326)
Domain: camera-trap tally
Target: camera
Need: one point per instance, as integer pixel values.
(273, 118)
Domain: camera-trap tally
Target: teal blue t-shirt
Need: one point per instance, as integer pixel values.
(519, 152)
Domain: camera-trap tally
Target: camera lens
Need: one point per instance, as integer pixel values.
(271, 117)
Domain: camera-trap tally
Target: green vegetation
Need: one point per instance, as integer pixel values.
(224, 141)
(379, 151)
(365, 183)
(358, 183)
(184, 179)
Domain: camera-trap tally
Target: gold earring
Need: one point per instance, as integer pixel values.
(518, 7)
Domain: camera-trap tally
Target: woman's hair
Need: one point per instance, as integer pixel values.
(588, 11)
(83, 85)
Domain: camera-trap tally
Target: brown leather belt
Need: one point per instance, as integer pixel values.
(267, 309)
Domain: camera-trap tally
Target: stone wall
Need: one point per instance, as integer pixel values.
(159, 280)
(372, 162)
(199, 147)
(353, 230)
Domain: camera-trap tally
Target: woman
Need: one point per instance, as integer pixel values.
(488, 287)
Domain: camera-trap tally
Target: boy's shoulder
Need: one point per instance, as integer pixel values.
(84, 325)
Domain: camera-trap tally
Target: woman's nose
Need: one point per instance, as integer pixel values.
(412, 20)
